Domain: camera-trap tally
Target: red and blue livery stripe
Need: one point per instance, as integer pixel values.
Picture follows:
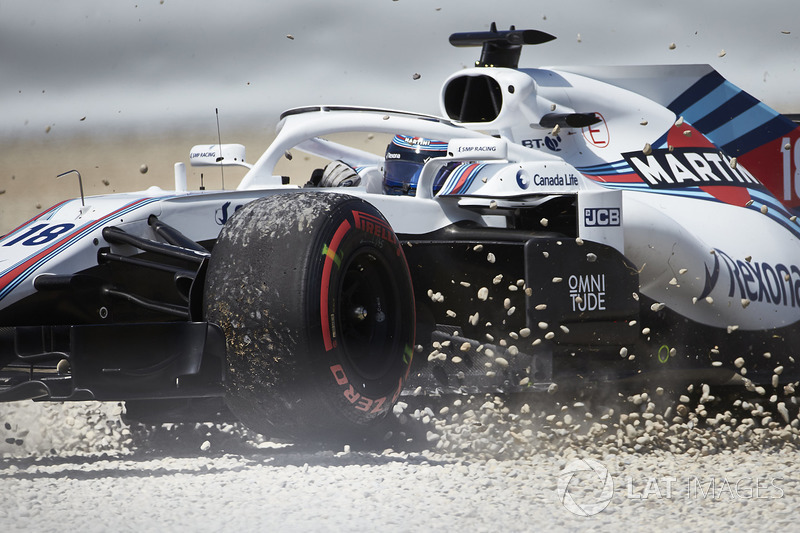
(461, 178)
(13, 276)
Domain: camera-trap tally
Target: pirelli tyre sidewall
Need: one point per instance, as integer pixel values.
(314, 294)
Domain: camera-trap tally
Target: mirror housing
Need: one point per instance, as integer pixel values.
(212, 155)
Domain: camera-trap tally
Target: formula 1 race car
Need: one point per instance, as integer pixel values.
(555, 225)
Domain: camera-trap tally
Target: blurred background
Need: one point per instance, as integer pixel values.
(107, 87)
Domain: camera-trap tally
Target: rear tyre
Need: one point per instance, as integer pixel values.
(314, 295)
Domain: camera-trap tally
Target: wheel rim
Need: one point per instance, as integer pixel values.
(368, 316)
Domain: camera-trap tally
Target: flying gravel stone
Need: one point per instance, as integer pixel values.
(578, 202)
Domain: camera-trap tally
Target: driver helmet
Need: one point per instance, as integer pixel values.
(405, 157)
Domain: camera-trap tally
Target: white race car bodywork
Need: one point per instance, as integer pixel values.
(689, 178)
(663, 234)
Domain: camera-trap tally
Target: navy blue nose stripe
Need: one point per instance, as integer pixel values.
(728, 116)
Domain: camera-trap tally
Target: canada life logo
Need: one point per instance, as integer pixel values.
(597, 134)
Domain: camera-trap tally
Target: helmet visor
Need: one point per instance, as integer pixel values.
(400, 177)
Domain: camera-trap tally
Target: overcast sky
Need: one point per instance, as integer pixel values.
(84, 65)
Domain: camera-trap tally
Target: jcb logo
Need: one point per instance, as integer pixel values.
(601, 216)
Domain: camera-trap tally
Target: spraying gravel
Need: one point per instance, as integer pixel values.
(565, 461)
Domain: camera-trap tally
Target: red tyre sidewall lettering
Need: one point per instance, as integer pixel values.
(330, 251)
(339, 375)
(360, 402)
(375, 226)
(370, 231)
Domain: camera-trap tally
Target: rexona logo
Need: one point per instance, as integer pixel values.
(688, 167)
(772, 283)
